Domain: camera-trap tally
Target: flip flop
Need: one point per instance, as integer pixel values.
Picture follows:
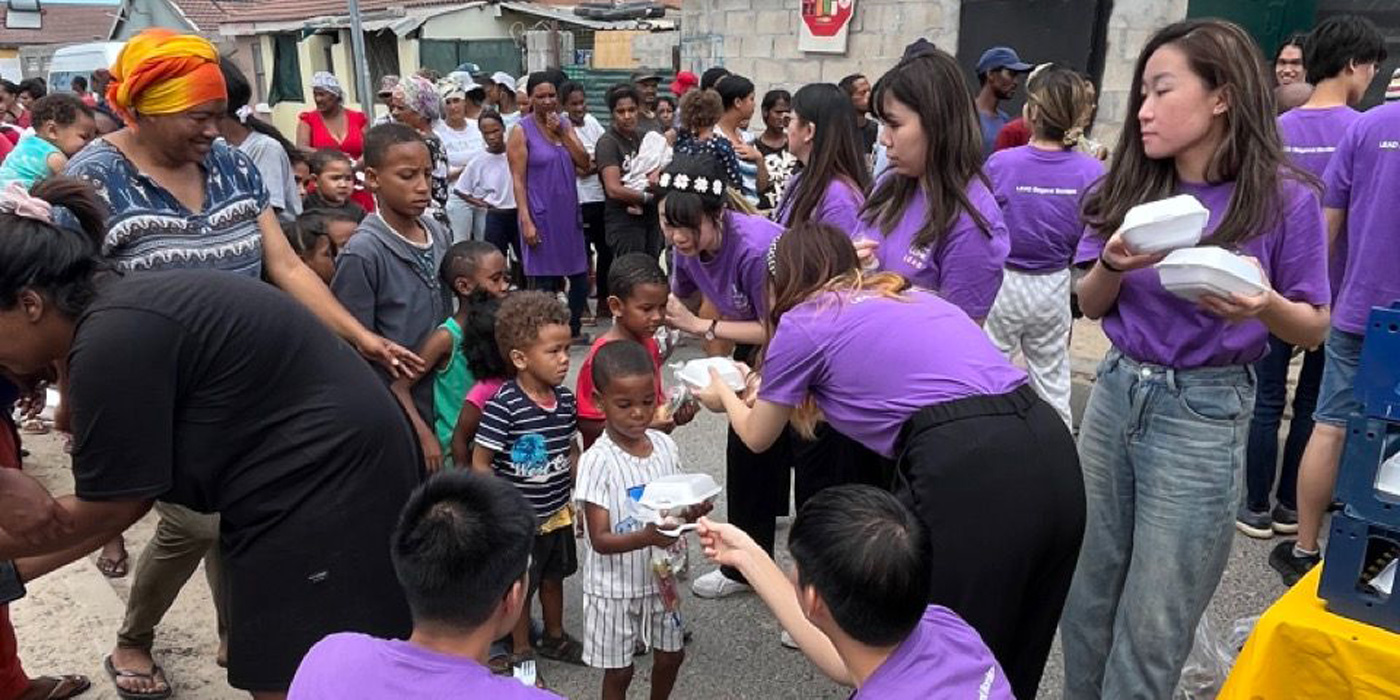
(564, 648)
(114, 568)
(77, 685)
(155, 671)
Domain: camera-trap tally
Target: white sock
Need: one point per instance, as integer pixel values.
(1299, 552)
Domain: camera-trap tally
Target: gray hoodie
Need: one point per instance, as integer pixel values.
(391, 286)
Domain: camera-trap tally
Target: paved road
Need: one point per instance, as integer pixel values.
(69, 620)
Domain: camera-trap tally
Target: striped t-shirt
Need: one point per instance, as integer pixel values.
(532, 444)
(611, 478)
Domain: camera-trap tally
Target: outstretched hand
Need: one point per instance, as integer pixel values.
(725, 544)
(397, 359)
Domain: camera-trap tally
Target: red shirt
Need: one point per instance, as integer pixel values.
(353, 145)
(1017, 133)
(587, 410)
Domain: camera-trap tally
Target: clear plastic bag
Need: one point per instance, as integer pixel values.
(1212, 656)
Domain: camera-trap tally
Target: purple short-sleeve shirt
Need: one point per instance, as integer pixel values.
(839, 206)
(1361, 179)
(1151, 325)
(1039, 192)
(1310, 137)
(942, 658)
(870, 362)
(964, 267)
(350, 665)
(735, 280)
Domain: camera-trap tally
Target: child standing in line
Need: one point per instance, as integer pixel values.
(637, 300)
(387, 275)
(62, 126)
(487, 367)
(336, 224)
(469, 269)
(621, 595)
(313, 246)
(334, 175)
(528, 437)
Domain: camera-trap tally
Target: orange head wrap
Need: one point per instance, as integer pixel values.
(160, 71)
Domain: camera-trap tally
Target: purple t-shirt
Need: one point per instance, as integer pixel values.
(1151, 325)
(1310, 137)
(964, 268)
(942, 658)
(870, 362)
(1362, 179)
(839, 206)
(735, 280)
(1039, 193)
(349, 665)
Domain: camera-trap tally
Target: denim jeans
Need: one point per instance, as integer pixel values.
(1261, 457)
(1162, 452)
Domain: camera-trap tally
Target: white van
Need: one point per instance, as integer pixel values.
(81, 59)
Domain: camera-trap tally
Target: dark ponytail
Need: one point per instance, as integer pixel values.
(58, 260)
(240, 93)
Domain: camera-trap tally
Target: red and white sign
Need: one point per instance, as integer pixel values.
(825, 25)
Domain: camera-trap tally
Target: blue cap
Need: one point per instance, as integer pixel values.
(1001, 57)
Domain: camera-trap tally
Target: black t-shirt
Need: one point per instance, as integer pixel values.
(220, 393)
(869, 134)
(615, 149)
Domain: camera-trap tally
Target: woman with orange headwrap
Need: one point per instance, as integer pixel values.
(181, 198)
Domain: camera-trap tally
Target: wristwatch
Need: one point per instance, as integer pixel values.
(710, 333)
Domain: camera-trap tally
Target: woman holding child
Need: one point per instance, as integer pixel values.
(180, 199)
(986, 465)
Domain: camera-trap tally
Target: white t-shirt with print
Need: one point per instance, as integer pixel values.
(610, 477)
(487, 177)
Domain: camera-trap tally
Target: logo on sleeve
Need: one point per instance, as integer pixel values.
(1390, 145)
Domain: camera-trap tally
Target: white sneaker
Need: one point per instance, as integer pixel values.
(716, 585)
(788, 641)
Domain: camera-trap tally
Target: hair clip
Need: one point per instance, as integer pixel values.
(17, 200)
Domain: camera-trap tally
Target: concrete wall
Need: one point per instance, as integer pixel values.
(654, 49)
(758, 39)
(473, 23)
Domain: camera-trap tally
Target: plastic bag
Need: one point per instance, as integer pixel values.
(1211, 658)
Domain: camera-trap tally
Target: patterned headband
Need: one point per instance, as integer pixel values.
(772, 256)
(699, 184)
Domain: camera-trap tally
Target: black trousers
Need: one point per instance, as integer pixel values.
(595, 233)
(832, 459)
(996, 480)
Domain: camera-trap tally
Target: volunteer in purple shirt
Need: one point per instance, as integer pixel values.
(933, 215)
(1163, 437)
(857, 610)
(822, 135)
(719, 259)
(462, 554)
(1360, 198)
(1343, 53)
(830, 188)
(983, 462)
(1039, 187)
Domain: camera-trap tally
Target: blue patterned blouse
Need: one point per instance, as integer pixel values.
(149, 229)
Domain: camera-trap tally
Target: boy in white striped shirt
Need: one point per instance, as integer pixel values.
(621, 598)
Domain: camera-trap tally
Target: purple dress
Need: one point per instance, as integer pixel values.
(553, 195)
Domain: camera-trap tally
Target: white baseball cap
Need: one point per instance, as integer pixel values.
(501, 77)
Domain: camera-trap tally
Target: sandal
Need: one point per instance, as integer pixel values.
(156, 674)
(114, 568)
(563, 648)
(64, 687)
(500, 664)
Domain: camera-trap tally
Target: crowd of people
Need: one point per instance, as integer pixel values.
(297, 351)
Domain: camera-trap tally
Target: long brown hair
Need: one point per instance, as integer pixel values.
(1058, 105)
(808, 259)
(835, 150)
(931, 83)
(1250, 154)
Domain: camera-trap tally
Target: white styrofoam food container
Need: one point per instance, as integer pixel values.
(678, 491)
(1163, 225)
(696, 373)
(1192, 272)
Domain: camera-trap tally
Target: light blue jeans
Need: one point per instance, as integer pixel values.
(1163, 456)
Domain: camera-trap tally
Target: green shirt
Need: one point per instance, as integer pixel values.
(450, 389)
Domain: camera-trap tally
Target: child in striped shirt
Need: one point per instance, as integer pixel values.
(529, 436)
(621, 596)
